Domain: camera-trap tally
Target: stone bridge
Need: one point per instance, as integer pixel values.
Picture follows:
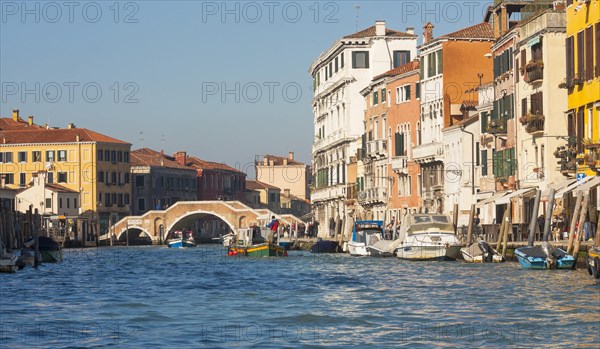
(234, 213)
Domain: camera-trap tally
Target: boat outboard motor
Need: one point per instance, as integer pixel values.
(551, 262)
(488, 253)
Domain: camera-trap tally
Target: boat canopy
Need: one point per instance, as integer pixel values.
(424, 222)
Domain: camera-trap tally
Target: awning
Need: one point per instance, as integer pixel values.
(585, 188)
(506, 199)
(557, 187)
(490, 199)
(559, 194)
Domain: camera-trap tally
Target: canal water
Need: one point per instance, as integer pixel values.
(150, 297)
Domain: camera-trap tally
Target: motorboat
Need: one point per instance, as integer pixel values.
(544, 256)
(249, 244)
(481, 252)
(175, 239)
(364, 234)
(8, 261)
(188, 239)
(50, 250)
(593, 262)
(427, 236)
(325, 246)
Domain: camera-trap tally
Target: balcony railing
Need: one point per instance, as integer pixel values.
(400, 164)
(535, 126)
(534, 72)
(377, 148)
(373, 195)
(429, 152)
(328, 193)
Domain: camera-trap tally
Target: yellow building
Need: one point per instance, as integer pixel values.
(94, 165)
(583, 81)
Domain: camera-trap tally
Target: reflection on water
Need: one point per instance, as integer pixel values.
(151, 296)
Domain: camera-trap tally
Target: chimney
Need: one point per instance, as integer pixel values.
(30, 120)
(70, 125)
(380, 28)
(15, 114)
(410, 30)
(428, 32)
(285, 162)
(291, 155)
(181, 157)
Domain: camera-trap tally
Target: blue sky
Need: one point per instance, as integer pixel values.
(223, 81)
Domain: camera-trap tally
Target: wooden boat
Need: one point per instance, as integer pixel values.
(265, 245)
(593, 262)
(50, 250)
(188, 239)
(481, 252)
(544, 256)
(364, 234)
(427, 236)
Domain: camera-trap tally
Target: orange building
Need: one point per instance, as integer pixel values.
(404, 132)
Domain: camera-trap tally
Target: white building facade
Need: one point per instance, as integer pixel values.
(339, 75)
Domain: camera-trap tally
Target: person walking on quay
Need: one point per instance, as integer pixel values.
(540, 222)
(593, 219)
(477, 225)
(389, 231)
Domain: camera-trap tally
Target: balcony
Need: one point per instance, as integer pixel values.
(496, 127)
(377, 149)
(331, 140)
(429, 152)
(534, 123)
(328, 193)
(534, 72)
(400, 164)
(373, 196)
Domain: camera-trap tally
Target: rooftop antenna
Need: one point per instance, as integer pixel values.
(357, 8)
(162, 141)
(141, 137)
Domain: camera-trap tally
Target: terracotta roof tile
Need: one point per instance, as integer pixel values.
(10, 124)
(469, 105)
(256, 185)
(62, 135)
(478, 31)
(149, 157)
(408, 67)
(210, 165)
(370, 32)
(59, 188)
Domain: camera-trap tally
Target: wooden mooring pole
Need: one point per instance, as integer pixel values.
(533, 218)
(584, 209)
(470, 228)
(455, 218)
(574, 221)
(501, 231)
(507, 228)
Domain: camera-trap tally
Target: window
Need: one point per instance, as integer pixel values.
(48, 203)
(107, 155)
(99, 156)
(401, 58)
(50, 177)
(326, 73)
(100, 176)
(113, 177)
(597, 41)
(62, 155)
(120, 200)
(383, 95)
(36, 156)
(139, 181)
(403, 94)
(580, 57)
(126, 178)
(68, 202)
(375, 98)
(4, 157)
(440, 62)
(126, 199)
(9, 178)
(141, 204)
(22, 180)
(537, 103)
(589, 52)
(113, 156)
(62, 177)
(484, 164)
(113, 198)
(120, 156)
(50, 156)
(107, 202)
(360, 59)
(60, 205)
(536, 51)
(342, 60)
(126, 156)
(336, 64)
(418, 90)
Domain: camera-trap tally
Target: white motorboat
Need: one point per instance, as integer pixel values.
(480, 252)
(364, 234)
(427, 236)
(8, 261)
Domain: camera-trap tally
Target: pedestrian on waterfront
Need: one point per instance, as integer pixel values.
(593, 218)
(273, 225)
(331, 227)
(541, 221)
(390, 229)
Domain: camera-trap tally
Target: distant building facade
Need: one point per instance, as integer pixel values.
(285, 173)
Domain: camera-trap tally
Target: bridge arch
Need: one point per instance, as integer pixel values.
(201, 213)
(141, 229)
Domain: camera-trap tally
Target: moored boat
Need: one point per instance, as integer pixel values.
(8, 261)
(427, 236)
(481, 252)
(593, 262)
(50, 250)
(364, 234)
(325, 246)
(188, 239)
(544, 256)
(174, 239)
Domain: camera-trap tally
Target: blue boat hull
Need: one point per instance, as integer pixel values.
(175, 243)
(530, 258)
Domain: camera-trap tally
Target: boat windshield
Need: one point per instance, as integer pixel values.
(422, 222)
(362, 234)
